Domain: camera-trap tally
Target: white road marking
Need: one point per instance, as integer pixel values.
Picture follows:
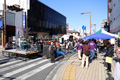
(33, 72)
(8, 63)
(16, 65)
(24, 68)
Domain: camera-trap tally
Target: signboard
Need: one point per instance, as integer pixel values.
(67, 28)
(84, 27)
(24, 19)
(1, 25)
(18, 31)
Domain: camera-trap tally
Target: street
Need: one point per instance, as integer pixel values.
(33, 69)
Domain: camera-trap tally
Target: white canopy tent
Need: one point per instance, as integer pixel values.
(105, 32)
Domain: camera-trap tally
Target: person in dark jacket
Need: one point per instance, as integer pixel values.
(85, 48)
(52, 50)
(109, 55)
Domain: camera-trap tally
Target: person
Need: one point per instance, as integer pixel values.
(109, 55)
(52, 50)
(79, 46)
(67, 45)
(85, 48)
(117, 69)
(6, 46)
(92, 49)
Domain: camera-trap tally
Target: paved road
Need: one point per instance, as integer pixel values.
(33, 69)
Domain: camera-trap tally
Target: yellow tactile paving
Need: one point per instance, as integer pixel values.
(69, 73)
(72, 70)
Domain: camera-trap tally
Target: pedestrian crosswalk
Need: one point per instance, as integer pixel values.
(29, 68)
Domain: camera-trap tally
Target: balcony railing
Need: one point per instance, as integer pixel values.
(110, 19)
(110, 8)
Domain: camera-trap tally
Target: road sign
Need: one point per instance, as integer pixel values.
(18, 31)
(84, 27)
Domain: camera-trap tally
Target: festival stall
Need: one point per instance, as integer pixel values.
(105, 32)
(99, 36)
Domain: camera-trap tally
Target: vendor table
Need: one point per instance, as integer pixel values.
(17, 53)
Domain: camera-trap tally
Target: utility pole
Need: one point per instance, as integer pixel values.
(90, 19)
(4, 29)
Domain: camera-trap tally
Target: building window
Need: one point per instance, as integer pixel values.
(114, 4)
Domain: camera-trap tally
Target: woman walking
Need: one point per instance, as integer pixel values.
(86, 54)
(109, 55)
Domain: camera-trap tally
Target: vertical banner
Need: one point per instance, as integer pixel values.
(24, 19)
(67, 28)
(1, 24)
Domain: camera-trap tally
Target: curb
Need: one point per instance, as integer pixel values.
(55, 76)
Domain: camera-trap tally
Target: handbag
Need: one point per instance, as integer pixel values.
(87, 53)
(108, 59)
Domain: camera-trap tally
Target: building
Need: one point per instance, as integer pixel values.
(41, 19)
(81, 32)
(114, 15)
(45, 21)
(73, 32)
(105, 25)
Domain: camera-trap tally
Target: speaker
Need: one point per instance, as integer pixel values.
(70, 38)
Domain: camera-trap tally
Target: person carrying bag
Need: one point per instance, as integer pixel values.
(86, 54)
(109, 55)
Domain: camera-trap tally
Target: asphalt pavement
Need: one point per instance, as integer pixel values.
(32, 69)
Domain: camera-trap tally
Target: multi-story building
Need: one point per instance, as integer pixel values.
(45, 21)
(105, 25)
(73, 32)
(81, 32)
(114, 15)
(41, 19)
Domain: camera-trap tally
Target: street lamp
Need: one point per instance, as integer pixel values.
(90, 19)
(95, 26)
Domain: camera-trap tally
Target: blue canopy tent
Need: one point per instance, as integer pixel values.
(99, 36)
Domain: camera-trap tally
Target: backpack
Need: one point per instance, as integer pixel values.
(53, 47)
(87, 53)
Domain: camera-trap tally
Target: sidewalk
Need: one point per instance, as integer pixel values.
(72, 70)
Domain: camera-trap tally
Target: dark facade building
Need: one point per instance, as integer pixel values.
(42, 18)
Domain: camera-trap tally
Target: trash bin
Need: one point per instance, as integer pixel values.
(46, 51)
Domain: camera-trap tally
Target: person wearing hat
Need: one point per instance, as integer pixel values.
(117, 69)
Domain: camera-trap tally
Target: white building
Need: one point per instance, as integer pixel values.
(82, 33)
(114, 15)
(103, 23)
(14, 20)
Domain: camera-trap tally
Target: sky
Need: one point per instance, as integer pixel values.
(71, 9)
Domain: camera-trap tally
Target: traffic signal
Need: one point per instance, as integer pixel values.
(15, 8)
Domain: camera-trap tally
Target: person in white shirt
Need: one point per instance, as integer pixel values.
(117, 69)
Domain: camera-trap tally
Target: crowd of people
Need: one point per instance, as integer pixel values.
(87, 51)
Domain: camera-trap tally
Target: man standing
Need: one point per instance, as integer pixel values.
(52, 50)
(92, 49)
(79, 49)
